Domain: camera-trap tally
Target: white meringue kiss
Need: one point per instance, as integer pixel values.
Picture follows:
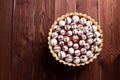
(70, 43)
(57, 48)
(75, 38)
(65, 48)
(54, 35)
(71, 50)
(60, 37)
(81, 42)
(75, 19)
(89, 23)
(69, 33)
(86, 29)
(87, 46)
(67, 27)
(66, 39)
(89, 54)
(75, 31)
(94, 27)
(68, 58)
(61, 55)
(62, 32)
(97, 41)
(61, 23)
(61, 43)
(77, 52)
(90, 41)
(75, 45)
(96, 34)
(76, 60)
(73, 25)
(90, 35)
(82, 20)
(79, 27)
(53, 42)
(83, 51)
(80, 32)
(83, 58)
(84, 37)
(68, 20)
(94, 48)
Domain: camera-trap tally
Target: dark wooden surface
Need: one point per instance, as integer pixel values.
(24, 53)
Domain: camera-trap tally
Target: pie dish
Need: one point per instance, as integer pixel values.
(75, 39)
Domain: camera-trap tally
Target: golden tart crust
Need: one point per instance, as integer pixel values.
(62, 18)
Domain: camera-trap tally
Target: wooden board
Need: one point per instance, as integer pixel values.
(91, 9)
(5, 38)
(110, 55)
(24, 27)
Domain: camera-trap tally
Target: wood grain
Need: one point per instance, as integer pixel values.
(64, 72)
(23, 36)
(109, 22)
(5, 38)
(44, 64)
(87, 72)
(24, 27)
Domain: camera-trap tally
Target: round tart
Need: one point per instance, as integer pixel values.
(75, 39)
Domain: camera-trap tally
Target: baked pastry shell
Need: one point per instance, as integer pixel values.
(81, 15)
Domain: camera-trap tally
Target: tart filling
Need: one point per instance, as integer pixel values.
(75, 39)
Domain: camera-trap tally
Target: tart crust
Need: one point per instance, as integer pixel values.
(63, 17)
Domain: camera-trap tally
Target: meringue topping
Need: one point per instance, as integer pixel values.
(94, 28)
(75, 19)
(89, 54)
(76, 60)
(81, 42)
(83, 58)
(68, 58)
(75, 39)
(66, 39)
(73, 25)
(69, 33)
(94, 48)
(67, 27)
(62, 32)
(87, 46)
(70, 43)
(65, 48)
(68, 20)
(57, 48)
(97, 41)
(82, 20)
(83, 51)
(71, 50)
(61, 54)
(77, 52)
(75, 31)
(54, 35)
(61, 43)
(89, 23)
(53, 42)
(76, 46)
(60, 37)
(62, 23)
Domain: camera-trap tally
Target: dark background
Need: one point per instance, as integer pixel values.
(24, 53)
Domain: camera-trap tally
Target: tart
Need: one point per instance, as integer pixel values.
(75, 39)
